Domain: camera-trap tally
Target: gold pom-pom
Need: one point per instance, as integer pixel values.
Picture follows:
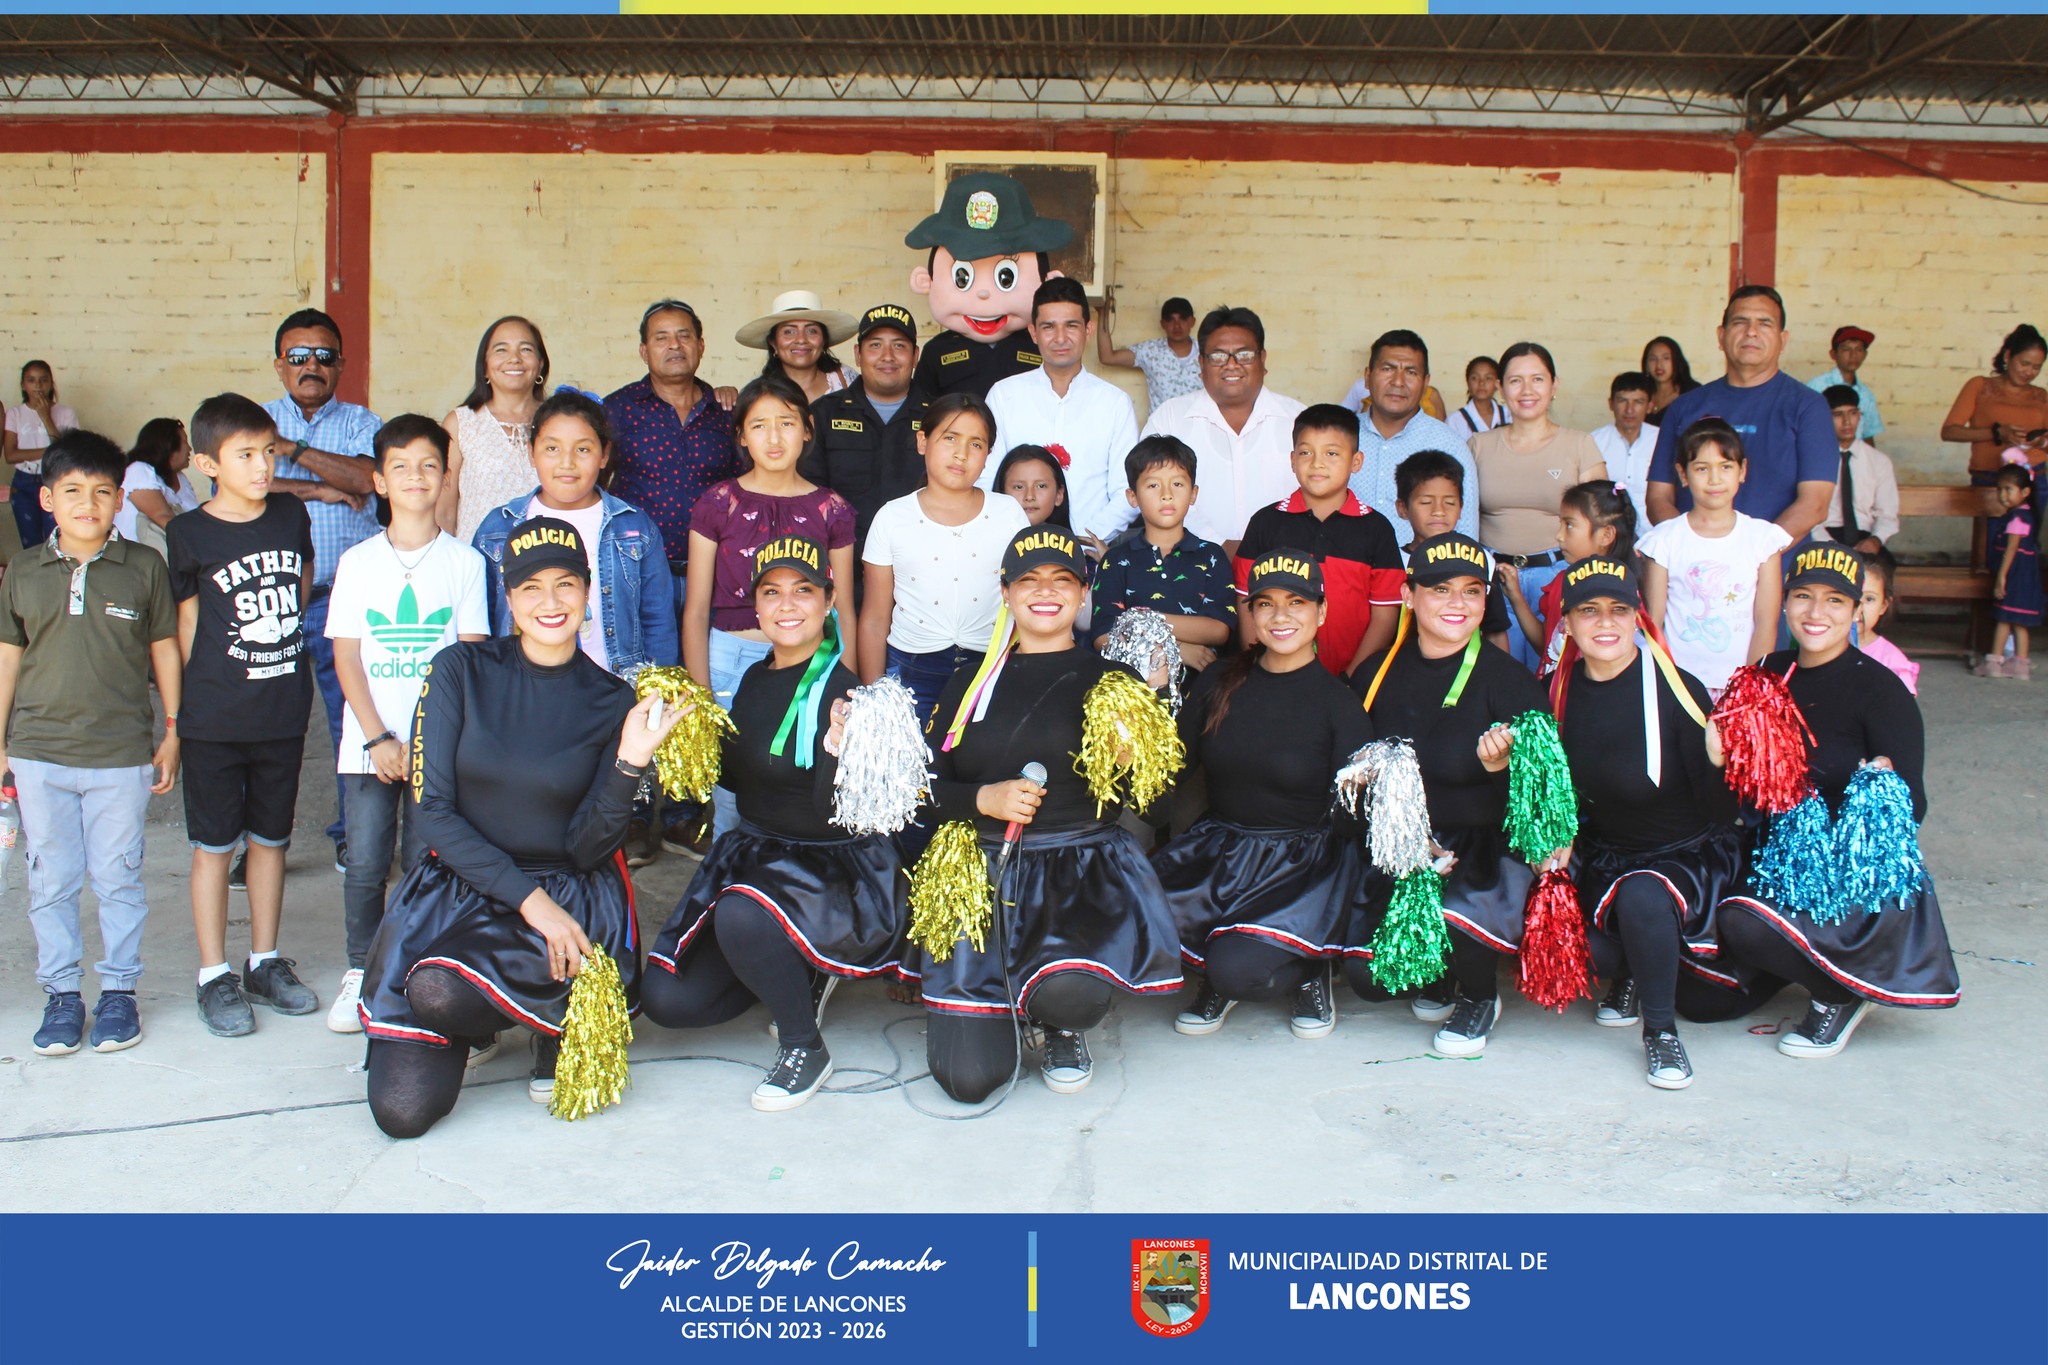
(590, 1073)
(687, 761)
(1128, 742)
(950, 895)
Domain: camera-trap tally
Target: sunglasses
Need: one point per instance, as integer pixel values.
(671, 306)
(302, 355)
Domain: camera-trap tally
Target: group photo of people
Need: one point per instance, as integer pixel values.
(1395, 700)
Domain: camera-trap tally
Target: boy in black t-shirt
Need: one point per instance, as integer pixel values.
(239, 569)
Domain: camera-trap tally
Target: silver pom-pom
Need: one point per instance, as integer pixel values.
(1144, 640)
(882, 761)
(1382, 784)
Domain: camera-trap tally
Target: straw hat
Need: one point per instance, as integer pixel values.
(797, 305)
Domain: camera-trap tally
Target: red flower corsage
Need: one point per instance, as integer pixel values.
(1059, 452)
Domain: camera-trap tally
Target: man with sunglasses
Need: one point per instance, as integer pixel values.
(324, 459)
(1242, 432)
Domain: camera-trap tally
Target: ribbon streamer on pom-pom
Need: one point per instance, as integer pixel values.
(1143, 640)
(1794, 865)
(1877, 841)
(982, 686)
(1765, 739)
(1412, 945)
(1543, 806)
(590, 1072)
(802, 715)
(950, 895)
(1556, 966)
(1382, 784)
(883, 774)
(687, 761)
(1130, 749)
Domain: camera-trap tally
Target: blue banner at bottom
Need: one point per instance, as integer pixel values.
(518, 1288)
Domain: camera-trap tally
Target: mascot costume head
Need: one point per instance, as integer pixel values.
(987, 256)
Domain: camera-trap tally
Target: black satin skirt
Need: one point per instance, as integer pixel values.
(835, 898)
(1292, 888)
(1083, 900)
(1897, 954)
(1697, 873)
(436, 919)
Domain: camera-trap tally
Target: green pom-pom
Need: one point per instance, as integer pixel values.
(1543, 807)
(1412, 946)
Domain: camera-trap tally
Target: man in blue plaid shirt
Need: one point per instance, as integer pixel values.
(324, 459)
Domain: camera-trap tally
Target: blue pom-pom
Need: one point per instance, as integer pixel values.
(1877, 843)
(1796, 864)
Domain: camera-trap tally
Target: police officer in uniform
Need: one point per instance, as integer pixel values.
(986, 258)
(864, 446)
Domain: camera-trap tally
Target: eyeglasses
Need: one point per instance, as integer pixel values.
(1218, 359)
(302, 355)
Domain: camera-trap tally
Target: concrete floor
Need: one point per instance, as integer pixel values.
(1925, 1111)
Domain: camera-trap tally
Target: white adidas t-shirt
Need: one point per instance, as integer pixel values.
(403, 618)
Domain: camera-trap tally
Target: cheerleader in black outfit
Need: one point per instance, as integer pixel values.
(526, 756)
(1860, 713)
(787, 904)
(1443, 691)
(1658, 844)
(1263, 885)
(1083, 915)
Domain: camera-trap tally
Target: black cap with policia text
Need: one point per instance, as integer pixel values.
(887, 315)
(1038, 545)
(1827, 566)
(1286, 571)
(544, 543)
(1598, 577)
(1450, 555)
(804, 555)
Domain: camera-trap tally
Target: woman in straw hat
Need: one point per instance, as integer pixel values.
(796, 332)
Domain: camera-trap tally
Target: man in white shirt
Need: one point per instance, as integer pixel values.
(1628, 441)
(1864, 512)
(1061, 404)
(1242, 432)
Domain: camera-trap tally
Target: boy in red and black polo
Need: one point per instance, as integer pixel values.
(1362, 569)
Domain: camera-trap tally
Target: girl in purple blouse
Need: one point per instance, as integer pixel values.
(722, 637)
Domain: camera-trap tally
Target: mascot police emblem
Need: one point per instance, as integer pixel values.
(1169, 1284)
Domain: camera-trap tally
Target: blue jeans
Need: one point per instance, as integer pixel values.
(926, 675)
(77, 821)
(731, 657)
(376, 812)
(25, 495)
(314, 623)
(1533, 580)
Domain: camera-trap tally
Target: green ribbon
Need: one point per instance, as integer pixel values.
(802, 715)
(1464, 672)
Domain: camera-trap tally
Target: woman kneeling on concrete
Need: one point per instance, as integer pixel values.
(527, 755)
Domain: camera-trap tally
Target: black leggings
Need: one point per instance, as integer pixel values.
(413, 1085)
(1241, 967)
(971, 1056)
(1358, 974)
(746, 957)
(1642, 913)
(1746, 938)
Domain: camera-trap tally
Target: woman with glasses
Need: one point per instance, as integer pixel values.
(490, 434)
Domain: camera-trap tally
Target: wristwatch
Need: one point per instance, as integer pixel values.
(299, 448)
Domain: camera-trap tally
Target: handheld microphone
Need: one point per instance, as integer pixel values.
(1031, 772)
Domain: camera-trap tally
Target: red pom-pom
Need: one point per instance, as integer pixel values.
(1556, 968)
(1765, 740)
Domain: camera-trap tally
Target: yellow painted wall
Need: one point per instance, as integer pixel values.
(152, 282)
(1938, 273)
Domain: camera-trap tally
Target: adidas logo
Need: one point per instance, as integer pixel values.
(408, 634)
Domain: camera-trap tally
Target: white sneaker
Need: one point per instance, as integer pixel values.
(341, 1015)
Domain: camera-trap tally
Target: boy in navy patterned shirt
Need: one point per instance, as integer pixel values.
(1163, 566)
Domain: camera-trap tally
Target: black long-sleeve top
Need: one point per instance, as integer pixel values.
(773, 792)
(1603, 737)
(1462, 794)
(1858, 710)
(1271, 761)
(1034, 716)
(513, 766)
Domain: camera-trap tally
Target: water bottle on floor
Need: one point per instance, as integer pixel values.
(10, 835)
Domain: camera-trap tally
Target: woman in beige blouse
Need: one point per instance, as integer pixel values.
(1525, 465)
(490, 436)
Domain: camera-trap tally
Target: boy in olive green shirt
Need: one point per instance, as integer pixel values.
(85, 618)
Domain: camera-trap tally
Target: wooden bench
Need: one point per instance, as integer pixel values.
(1945, 584)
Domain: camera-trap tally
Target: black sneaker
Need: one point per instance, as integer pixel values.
(275, 984)
(115, 1023)
(822, 986)
(223, 1008)
(1670, 1069)
(642, 847)
(341, 855)
(63, 1024)
(1067, 1065)
(1825, 1031)
(1206, 1015)
(1465, 1033)
(1622, 1006)
(238, 871)
(1315, 1013)
(797, 1074)
(481, 1050)
(541, 1088)
(1433, 1004)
